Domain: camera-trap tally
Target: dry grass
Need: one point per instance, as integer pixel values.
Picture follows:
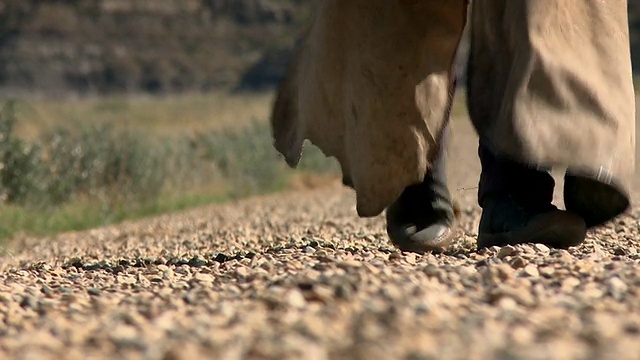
(159, 115)
(79, 164)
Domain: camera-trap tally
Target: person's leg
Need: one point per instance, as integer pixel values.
(501, 176)
(531, 101)
(517, 206)
(423, 218)
(516, 197)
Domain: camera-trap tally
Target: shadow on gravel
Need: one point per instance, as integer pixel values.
(196, 261)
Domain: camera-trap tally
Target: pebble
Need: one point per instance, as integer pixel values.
(162, 268)
(542, 248)
(531, 270)
(349, 264)
(242, 271)
(506, 251)
(94, 291)
(546, 271)
(295, 298)
(47, 291)
(617, 288)
(518, 262)
(208, 278)
(569, 284)
(168, 274)
(128, 280)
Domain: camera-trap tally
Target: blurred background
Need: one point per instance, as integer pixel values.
(118, 109)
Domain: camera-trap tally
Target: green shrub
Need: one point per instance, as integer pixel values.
(110, 173)
(87, 161)
(20, 167)
(246, 158)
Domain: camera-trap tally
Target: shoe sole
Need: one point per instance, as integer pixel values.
(417, 245)
(414, 243)
(557, 230)
(596, 202)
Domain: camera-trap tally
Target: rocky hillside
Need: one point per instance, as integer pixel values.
(104, 46)
(159, 46)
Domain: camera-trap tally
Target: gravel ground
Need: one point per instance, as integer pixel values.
(298, 275)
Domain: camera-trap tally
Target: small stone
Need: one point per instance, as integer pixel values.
(125, 336)
(197, 262)
(69, 298)
(371, 268)
(521, 295)
(584, 267)
(221, 258)
(308, 250)
(593, 291)
(94, 291)
(532, 271)
(632, 328)
(620, 251)
(128, 280)
(497, 274)
(344, 291)
(597, 254)
(507, 304)
(242, 271)
(518, 262)
(183, 270)
(347, 264)
(208, 278)
(617, 288)
(522, 335)
(92, 267)
(569, 284)
(319, 293)
(47, 291)
(143, 281)
(168, 274)
(5, 298)
(295, 298)
(542, 248)
(506, 251)
(29, 302)
(467, 271)
(432, 271)
(547, 271)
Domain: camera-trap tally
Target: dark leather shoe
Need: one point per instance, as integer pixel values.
(423, 218)
(505, 222)
(596, 202)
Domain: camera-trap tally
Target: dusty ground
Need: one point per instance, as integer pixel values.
(298, 275)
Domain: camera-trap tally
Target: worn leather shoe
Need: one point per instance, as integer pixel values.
(595, 201)
(423, 218)
(505, 222)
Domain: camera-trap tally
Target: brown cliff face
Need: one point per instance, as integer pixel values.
(159, 46)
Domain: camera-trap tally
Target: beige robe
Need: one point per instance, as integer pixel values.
(550, 85)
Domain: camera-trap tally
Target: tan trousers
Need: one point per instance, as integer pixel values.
(549, 84)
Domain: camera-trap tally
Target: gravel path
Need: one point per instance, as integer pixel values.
(298, 275)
